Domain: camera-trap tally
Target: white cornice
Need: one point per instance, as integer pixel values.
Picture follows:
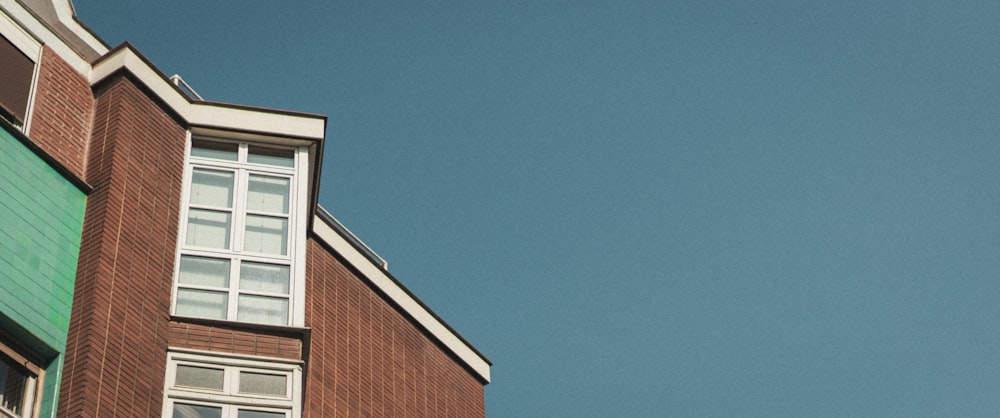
(29, 21)
(128, 59)
(88, 44)
(207, 114)
(29, 45)
(59, 17)
(52, 23)
(461, 349)
(257, 120)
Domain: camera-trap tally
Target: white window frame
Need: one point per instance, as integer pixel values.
(229, 399)
(32, 48)
(297, 217)
(35, 377)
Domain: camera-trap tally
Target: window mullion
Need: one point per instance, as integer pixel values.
(239, 231)
(234, 285)
(290, 245)
(232, 375)
(240, 210)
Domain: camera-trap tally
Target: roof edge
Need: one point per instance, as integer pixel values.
(53, 23)
(60, 18)
(203, 113)
(402, 297)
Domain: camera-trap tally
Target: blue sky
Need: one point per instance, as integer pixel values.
(653, 208)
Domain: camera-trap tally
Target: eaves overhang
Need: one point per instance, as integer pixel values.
(54, 23)
(60, 17)
(199, 113)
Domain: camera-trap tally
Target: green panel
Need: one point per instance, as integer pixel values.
(41, 220)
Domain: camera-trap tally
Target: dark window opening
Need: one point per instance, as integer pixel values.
(16, 70)
(16, 387)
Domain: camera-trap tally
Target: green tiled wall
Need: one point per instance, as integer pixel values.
(41, 219)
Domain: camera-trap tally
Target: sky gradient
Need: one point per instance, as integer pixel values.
(653, 208)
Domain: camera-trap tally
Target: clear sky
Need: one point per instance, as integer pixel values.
(653, 208)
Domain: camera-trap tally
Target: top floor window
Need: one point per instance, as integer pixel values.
(18, 71)
(240, 233)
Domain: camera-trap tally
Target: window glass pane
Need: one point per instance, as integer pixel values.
(208, 228)
(214, 150)
(266, 234)
(271, 156)
(212, 188)
(182, 410)
(204, 271)
(264, 277)
(202, 303)
(263, 310)
(199, 377)
(264, 384)
(268, 194)
(14, 381)
(259, 414)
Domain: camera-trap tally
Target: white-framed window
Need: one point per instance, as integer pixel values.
(206, 385)
(20, 384)
(241, 233)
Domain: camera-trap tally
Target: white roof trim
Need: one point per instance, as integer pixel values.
(127, 58)
(44, 20)
(206, 113)
(388, 286)
(66, 13)
(36, 28)
(22, 40)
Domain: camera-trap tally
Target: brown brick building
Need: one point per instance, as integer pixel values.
(209, 282)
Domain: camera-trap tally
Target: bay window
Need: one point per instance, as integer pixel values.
(240, 233)
(203, 385)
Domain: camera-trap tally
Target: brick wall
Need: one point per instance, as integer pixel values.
(63, 112)
(367, 359)
(116, 349)
(220, 339)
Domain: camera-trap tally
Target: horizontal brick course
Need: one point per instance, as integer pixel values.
(223, 339)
